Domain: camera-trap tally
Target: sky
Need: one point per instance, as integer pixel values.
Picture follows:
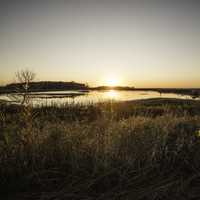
(126, 42)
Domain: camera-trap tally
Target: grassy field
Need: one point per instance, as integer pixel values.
(141, 150)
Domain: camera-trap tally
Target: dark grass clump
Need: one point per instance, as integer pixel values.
(133, 150)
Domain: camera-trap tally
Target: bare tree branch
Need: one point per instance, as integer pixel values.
(23, 78)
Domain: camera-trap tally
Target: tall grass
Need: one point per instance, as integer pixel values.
(141, 150)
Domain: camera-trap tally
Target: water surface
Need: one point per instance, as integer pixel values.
(60, 97)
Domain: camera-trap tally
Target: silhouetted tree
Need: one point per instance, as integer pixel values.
(23, 78)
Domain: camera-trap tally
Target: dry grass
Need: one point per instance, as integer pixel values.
(134, 150)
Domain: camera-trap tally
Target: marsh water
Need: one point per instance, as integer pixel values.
(85, 97)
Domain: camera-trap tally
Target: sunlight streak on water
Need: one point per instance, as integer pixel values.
(60, 97)
(112, 94)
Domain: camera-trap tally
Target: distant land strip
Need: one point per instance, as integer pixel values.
(44, 86)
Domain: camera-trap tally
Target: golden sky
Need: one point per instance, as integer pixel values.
(136, 43)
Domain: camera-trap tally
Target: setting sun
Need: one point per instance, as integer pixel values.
(112, 82)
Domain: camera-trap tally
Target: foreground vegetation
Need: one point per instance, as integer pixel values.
(131, 150)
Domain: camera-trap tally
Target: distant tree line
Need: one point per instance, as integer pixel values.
(44, 86)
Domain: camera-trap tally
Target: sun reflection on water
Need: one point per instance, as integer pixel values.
(112, 94)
